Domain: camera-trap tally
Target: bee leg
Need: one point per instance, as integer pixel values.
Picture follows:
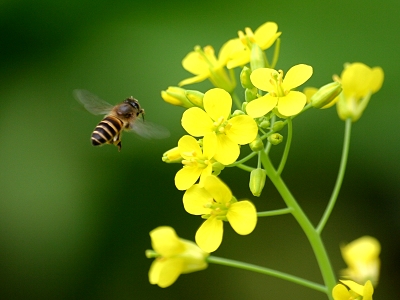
(119, 145)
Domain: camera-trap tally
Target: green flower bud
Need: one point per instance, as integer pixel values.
(275, 138)
(172, 156)
(257, 181)
(245, 78)
(250, 94)
(257, 144)
(257, 59)
(217, 167)
(265, 124)
(326, 96)
(237, 112)
(195, 97)
(278, 125)
(244, 104)
(176, 96)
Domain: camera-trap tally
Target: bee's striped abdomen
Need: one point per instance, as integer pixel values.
(107, 131)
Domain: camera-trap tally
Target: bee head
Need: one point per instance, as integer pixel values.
(135, 104)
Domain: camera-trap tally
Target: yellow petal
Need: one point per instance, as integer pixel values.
(259, 107)
(196, 122)
(243, 131)
(227, 50)
(227, 151)
(205, 173)
(188, 144)
(364, 250)
(186, 177)
(261, 79)
(210, 144)
(218, 190)
(209, 235)
(340, 292)
(266, 35)
(194, 79)
(194, 200)
(239, 58)
(356, 80)
(377, 79)
(217, 103)
(194, 63)
(297, 75)
(358, 288)
(165, 272)
(242, 216)
(292, 103)
(368, 291)
(165, 241)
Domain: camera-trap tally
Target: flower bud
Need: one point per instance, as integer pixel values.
(244, 104)
(237, 112)
(176, 96)
(195, 97)
(250, 94)
(217, 167)
(275, 138)
(172, 156)
(257, 144)
(257, 181)
(327, 95)
(265, 124)
(278, 125)
(245, 78)
(257, 60)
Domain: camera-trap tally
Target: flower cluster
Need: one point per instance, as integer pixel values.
(216, 134)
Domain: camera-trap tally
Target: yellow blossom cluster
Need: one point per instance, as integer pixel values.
(216, 133)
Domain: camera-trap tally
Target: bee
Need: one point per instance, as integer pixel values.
(127, 115)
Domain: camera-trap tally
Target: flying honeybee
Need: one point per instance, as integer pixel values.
(127, 115)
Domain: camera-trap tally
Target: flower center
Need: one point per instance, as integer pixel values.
(207, 54)
(221, 126)
(248, 38)
(192, 160)
(277, 80)
(217, 209)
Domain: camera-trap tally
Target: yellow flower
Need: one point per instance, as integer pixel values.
(288, 102)
(359, 82)
(356, 291)
(204, 64)
(215, 124)
(214, 201)
(174, 256)
(362, 259)
(196, 163)
(264, 37)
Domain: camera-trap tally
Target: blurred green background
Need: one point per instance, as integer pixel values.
(74, 219)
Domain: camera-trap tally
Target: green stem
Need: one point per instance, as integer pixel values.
(312, 235)
(339, 179)
(243, 160)
(276, 53)
(266, 271)
(244, 167)
(236, 100)
(276, 212)
(287, 147)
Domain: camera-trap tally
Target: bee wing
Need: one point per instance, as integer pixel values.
(92, 103)
(149, 130)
